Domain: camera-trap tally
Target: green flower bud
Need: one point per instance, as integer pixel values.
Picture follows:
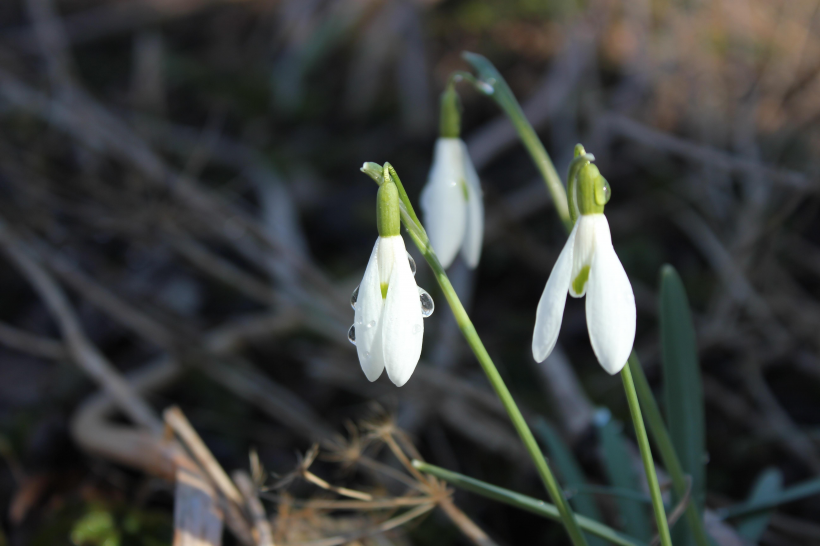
(593, 190)
(450, 122)
(388, 218)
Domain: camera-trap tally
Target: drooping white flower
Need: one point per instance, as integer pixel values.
(388, 320)
(453, 204)
(589, 266)
(389, 307)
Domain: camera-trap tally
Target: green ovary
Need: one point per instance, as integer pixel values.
(581, 280)
(384, 289)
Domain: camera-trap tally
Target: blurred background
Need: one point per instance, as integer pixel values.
(181, 205)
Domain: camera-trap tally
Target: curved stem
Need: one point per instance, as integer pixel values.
(419, 237)
(646, 456)
(492, 84)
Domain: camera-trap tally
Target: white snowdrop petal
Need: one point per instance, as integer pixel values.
(584, 250)
(368, 317)
(610, 305)
(474, 231)
(402, 322)
(550, 310)
(385, 258)
(442, 200)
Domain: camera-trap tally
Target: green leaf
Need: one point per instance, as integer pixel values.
(660, 435)
(768, 485)
(683, 390)
(621, 474)
(790, 494)
(538, 507)
(570, 471)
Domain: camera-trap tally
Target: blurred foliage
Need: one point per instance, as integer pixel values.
(95, 524)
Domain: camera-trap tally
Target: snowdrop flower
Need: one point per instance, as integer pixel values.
(452, 201)
(389, 307)
(589, 266)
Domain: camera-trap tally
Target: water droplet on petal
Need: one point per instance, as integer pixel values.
(354, 297)
(427, 305)
(412, 265)
(367, 354)
(486, 87)
(603, 192)
(371, 324)
(351, 335)
(416, 328)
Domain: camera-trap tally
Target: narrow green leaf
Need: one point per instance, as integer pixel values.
(683, 390)
(790, 494)
(768, 485)
(570, 471)
(538, 507)
(618, 464)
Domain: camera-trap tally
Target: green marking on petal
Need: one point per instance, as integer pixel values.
(465, 190)
(581, 280)
(384, 289)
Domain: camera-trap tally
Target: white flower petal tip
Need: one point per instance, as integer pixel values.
(550, 310)
(589, 266)
(402, 321)
(367, 319)
(452, 204)
(610, 305)
(389, 331)
(474, 233)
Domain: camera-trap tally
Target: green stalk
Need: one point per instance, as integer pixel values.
(667, 451)
(492, 84)
(646, 455)
(524, 502)
(419, 236)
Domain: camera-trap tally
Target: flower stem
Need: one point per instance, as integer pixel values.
(492, 84)
(419, 237)
(646, 455)
(665, 448)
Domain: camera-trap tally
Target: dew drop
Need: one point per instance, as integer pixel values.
(351, 335)
(412, 266)
(603, 191)
(486, 87)
(370, 324)
(354, 297)
(427, 305)
(416, 329)
(367, 354)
